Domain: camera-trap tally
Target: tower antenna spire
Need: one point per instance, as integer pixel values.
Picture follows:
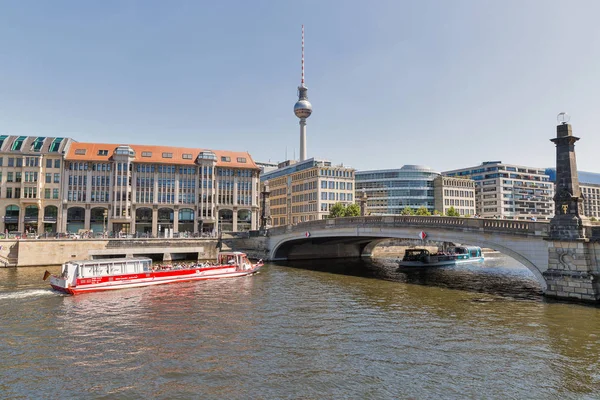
(302, 55)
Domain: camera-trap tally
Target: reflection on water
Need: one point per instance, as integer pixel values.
(304, 330)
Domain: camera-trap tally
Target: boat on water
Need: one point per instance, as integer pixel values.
(453, 256)
(119, 273)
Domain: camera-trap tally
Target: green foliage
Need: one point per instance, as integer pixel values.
(452, 212)
(339, 210)
(422, 211)
(407, 211)
(353, 210)
(436, 212)
(593, 219)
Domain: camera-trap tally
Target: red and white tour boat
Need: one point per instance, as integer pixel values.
(119, 273)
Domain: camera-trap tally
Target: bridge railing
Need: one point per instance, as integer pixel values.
(480, 224)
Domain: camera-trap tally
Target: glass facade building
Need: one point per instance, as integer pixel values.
(389, 191)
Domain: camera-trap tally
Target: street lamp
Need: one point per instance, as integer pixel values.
(363, 203)
(104, 214)
(263, 215)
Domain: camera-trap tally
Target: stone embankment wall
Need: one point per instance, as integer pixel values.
(255, 247)
(46, 252)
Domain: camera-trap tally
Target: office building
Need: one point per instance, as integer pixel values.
(306, 190)
(457, 193)
(389, 191)
(510, 191)
(158, 190)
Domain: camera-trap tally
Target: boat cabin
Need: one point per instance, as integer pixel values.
(232, 258)
(105, 267)
(415, 254)
(471, 251)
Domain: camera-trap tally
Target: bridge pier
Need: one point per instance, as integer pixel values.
(572, 271)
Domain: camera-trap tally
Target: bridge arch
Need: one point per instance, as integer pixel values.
(355, 237)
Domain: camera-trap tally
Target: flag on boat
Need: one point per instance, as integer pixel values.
(307, 234)
(422, 235)
(47, 274)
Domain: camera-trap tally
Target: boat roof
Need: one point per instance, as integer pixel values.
(99, 260)
(231, 253)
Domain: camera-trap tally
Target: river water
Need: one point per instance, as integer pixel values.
(310, 330)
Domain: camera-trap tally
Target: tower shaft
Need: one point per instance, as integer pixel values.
(302, 139)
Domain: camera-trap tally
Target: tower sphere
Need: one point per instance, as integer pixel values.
(302, 109)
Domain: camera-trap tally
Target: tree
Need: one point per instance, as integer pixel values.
(337, 210)
(353, 210)
(452, 212)
(436, 213)
(422, 211)
(593, 219)
(407, 211)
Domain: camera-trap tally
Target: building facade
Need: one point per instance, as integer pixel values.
(306, 190)
(390, 191)
(457, 193)
(30, 182)
(157, 190)
(510, 191)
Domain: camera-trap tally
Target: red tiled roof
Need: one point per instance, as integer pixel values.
(92, 154)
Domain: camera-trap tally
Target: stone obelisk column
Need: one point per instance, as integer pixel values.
(572, 271)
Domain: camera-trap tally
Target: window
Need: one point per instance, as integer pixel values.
(19, 162)
(146, 154)
(9, 193)
(187, 156)
(11, 162)
(102, 152)
(167, 155)
(9, 177)
(38, 143)
(17, 177)
(55, 193)
(80, 152)
(225, 159)
(46, 193)
(241, 160)
(55, 145)
(57, 178)
(18, 143)
(48, 163)
(57, 163)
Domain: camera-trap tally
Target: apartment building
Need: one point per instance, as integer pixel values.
(30, 182)
(510, 191)
(306, 190)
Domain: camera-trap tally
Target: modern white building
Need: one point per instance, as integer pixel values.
(510, 191)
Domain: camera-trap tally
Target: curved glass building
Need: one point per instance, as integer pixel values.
(389, 191)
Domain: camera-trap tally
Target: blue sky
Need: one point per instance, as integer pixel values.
(446, 84)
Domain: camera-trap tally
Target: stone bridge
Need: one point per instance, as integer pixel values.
(357, 236)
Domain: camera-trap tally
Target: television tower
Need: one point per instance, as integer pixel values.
(302, 108)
